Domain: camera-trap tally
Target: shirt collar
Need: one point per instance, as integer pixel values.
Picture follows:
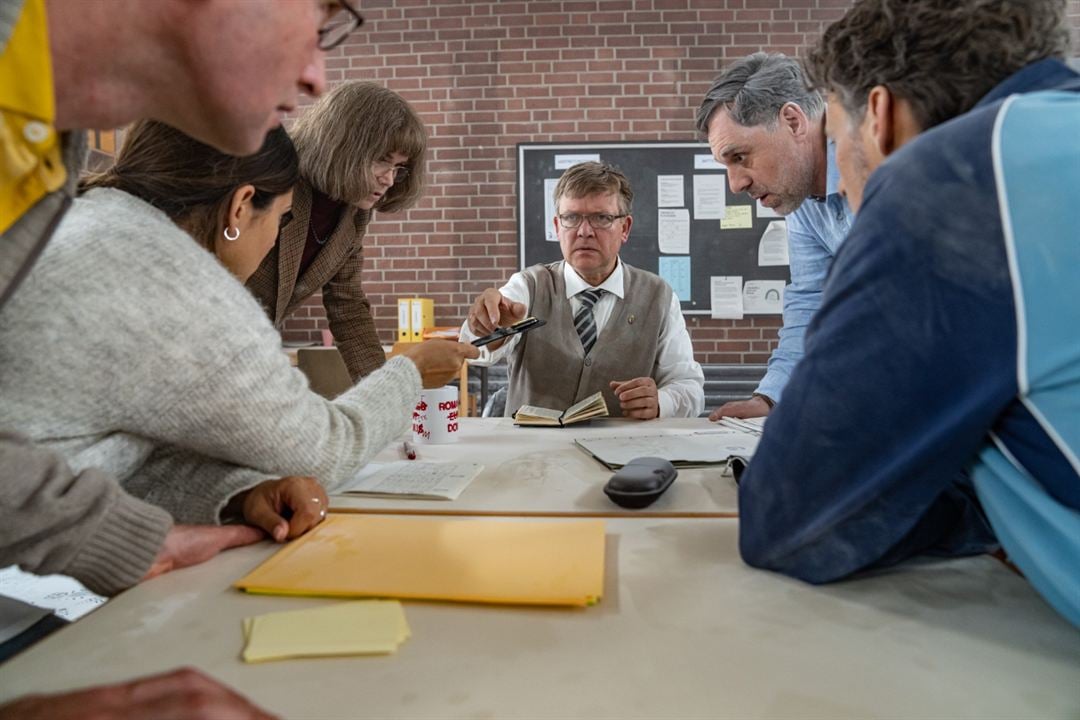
(574, 283)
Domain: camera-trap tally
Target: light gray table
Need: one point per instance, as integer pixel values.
(539, 471)
(684, 630)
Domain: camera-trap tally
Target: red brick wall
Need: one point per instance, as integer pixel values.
(487, 75)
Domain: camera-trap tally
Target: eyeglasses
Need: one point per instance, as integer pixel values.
(339, 26)
(381, 167)
(598, 221)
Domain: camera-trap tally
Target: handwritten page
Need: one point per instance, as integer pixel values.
(737, 217)
(414, 479)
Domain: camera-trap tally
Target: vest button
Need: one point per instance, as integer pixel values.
(588, 362)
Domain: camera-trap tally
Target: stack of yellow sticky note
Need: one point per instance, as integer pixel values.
(364, 627)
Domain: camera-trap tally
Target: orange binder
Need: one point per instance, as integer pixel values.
(487, 561)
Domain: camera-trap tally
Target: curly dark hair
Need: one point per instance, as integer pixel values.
(941, 56)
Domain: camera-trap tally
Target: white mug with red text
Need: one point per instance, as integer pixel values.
(435, 418)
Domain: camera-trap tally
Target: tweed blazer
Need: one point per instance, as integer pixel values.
(337, 271)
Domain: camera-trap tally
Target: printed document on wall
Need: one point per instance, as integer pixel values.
(676, 272)
(764, 212)
(764, 297)
(710, 200)
(673, 230)
(773, 248)
(562, 162)
(669, 191)
(727, 297)
(549, 210)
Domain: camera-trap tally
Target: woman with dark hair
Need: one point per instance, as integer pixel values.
(361, 149)
(163, 370)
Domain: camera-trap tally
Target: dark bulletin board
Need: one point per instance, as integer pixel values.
(713, 251)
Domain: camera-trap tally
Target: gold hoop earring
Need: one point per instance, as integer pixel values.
(234, 237)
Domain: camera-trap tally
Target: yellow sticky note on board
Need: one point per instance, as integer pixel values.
(466, 560)
(364, 627)
(737, 217)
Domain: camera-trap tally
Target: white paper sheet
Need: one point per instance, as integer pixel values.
(669, 191)
(549, 210)
(563, 162)
(726, 295)
(673, 230)
(763, 297)
(710, 199)
(707, 162)
(415, 479)
(764, 212)
(773, 248)
(63, 595)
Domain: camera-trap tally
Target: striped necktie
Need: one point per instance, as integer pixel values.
(584, 322)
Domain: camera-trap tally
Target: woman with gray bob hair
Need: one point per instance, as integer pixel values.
(361, 149)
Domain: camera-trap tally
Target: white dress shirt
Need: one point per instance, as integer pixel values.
(679, 378)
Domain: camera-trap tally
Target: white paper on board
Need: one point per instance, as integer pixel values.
(710, 200)
(764, 212)
(549, 210)
(773, 248)
(565, 161)
(726, 295)
(764, 297)
(706, 162)
(669, 191)
(673, 230)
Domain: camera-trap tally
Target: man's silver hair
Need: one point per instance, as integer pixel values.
(754, 89)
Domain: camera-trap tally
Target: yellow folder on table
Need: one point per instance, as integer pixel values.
(489, 561)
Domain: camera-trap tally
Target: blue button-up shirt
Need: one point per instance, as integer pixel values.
(815, 232)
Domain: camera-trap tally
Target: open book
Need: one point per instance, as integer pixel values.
(590, 407)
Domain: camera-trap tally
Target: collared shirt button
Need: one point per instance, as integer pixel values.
(35, 131)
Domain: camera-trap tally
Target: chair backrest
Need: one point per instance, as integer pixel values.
(325, 370)
(496, 404)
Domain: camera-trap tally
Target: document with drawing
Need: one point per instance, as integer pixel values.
(706, 447)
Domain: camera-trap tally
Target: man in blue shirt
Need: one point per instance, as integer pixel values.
(937, 408)
(768, 128)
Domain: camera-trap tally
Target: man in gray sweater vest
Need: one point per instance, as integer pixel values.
(611, 328)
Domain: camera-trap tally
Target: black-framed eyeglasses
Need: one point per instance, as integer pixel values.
(600, 221)
(381, 167)
(339, 26)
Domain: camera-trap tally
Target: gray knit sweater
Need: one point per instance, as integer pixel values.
(132, 349)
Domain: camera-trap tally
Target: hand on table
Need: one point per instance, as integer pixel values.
(491, 310)
(285, 508)
(754, 407)
(439, 361)
(187, 545)
(184, 694)
(638, 398)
